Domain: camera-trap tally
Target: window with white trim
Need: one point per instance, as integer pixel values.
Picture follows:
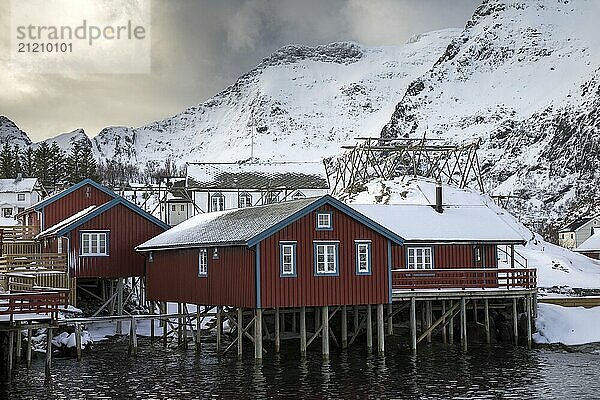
(217, 202)
(94, 243)
(288, 259)
(420, 257)
(202, 262)
(363, 257)
(20, 196)
(324, 220)
(245, 200)
(326, 258)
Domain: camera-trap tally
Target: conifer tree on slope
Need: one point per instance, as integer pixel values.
(6, 161)
(17, 167)
(57, 165)
(80, 163)
(28, 162)
(42, 161)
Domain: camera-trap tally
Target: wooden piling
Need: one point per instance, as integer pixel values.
(369, 328)
(344, 327)
(258, 334)
(527, 300)
(325, 331)
(165, 331)
(475, 319)
(48, 365)
(380, 331)
(219, 328)
(19, 346)
(198, 329)
(119, 330)
(413, 325)
(133, 333)
(277, 329)
(444, 329)
(486, 317)
(451, 326)
(463, 323)
(11, 350)
(303, 331)
(240, 323)
(428, 318)
(78, 341)
(355, 316)
(29, 346)
(515, 321)
(390, 319)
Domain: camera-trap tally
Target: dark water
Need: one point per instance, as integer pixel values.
(438, 372)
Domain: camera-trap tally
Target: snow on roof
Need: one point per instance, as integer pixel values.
(17, 185)
(473, 223)
(55, 228)
(591, 244)
(291, 175)
(226, 227)
(573, 226)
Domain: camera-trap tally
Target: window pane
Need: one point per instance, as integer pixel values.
(94, 245)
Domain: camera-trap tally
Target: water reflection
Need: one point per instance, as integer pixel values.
(437, 372)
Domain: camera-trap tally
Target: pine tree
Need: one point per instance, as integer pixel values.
(57, 165)
(6, 161)
(28, 162)
(80, 164)
(42, 162)
(17, 160)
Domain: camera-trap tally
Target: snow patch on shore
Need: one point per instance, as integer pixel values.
(567, 325)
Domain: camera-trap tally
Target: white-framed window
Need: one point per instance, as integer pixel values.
(182, 207)
(217, 202)
(363, 257)
(419, 257)
(324, 221)
(7, 212)
(173, 207)
(287, 251)
(244, 200)
(215, 255)
(326, 258)
(298, 195)
(94, 243)
(202, 262)
(20, 196)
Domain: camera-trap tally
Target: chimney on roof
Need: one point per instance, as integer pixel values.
(438, 197)
(19, 178)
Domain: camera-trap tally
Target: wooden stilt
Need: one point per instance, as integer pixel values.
(179, 331)
(515, 321)
(165, 329)
(486, 317)
(428, 318)
(451, 326)
(356, 315)
(535, 306)
(527, 300)
(294, 327)
(463, 324)
(390, 320)
(325, 332)
(240, 337)
(133, 333)
(303, 331)
(219, 328)
(413, 325)
(29, 346)
(48, 354)
(380, 331)
(198, 329)
(152, 310)
(475, 319)
(344, 327)
(11, 350)
(277, 329)
(19, 346)
(119, 330)
(369, 328)
(258, 334)
(444, 329)
(184, 328)
(78, 341)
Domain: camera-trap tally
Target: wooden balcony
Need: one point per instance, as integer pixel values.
(32, 304)
(33, 262)
(18, 233)
(462, 279)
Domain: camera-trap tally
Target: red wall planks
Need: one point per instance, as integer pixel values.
(309, 290)
(72, 203)
(449, 255)
(127, 230)
(173, 276)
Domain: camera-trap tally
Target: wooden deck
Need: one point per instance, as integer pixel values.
(587, 302)
(18, 233)
(32, 304)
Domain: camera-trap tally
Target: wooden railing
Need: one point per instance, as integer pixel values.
(33, 262)
(21, 247)
(39, 302)
(18, 232)
(492, 278)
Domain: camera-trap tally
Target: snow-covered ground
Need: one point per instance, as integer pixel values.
(567, 325)
(556, 266)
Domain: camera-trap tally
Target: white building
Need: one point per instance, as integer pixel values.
(574, 234)
(224, 186)
(16, 195)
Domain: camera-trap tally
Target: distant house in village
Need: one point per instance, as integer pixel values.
(226, 186)
(577, 232)
(178, 205)
(18, 194)
(591, 247)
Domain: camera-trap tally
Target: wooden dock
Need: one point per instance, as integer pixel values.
(587, 301)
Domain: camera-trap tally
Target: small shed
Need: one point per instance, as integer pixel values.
(591, 247)
(574, 234)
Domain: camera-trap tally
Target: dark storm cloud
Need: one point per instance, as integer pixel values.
(200, 47)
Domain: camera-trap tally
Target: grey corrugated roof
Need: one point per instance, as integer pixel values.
(226, 227)
(576, 224)
(291, 175)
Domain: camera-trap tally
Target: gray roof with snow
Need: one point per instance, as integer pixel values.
(290, 175)
(591, 244)
(228, 227)
(22, 185)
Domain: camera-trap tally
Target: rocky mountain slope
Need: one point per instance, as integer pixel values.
(524, 77)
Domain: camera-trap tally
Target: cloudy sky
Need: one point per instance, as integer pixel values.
(198, 48)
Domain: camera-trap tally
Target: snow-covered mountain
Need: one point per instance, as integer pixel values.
(11, 133)
(524, 76)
